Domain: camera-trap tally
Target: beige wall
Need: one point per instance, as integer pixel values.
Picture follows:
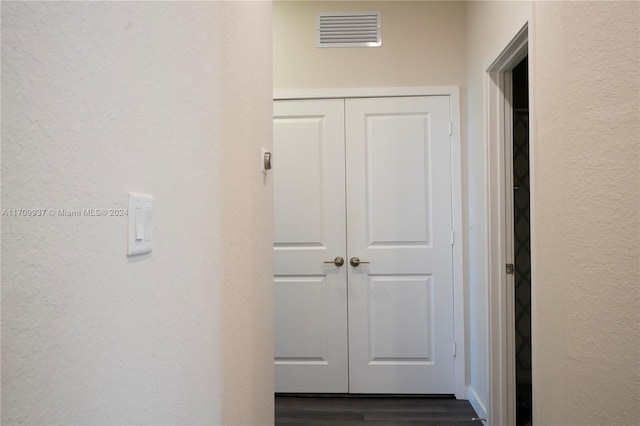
(171, 99)
(586, 210)
(422, 45)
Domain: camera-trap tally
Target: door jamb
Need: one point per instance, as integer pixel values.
(500, 229)
(456, 190)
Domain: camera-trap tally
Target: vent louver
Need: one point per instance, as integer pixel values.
(349, 29)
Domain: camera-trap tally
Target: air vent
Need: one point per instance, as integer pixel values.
(349, 29)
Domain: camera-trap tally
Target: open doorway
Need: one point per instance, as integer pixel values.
(521, 243)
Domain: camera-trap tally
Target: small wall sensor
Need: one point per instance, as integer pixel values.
(265, 160)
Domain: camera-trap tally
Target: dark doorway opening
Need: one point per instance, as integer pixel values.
(522, 242)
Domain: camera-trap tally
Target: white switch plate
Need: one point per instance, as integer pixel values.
(140, 224)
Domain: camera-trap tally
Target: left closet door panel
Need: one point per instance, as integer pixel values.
(309, 233)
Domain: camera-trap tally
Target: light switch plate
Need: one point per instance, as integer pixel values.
(140, 224)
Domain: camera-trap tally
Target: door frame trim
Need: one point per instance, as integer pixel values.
(459, 284)
(373, 92)
(499, 166)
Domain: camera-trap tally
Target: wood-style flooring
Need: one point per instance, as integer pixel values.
(369, 411)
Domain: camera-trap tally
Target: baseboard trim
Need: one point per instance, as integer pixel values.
(477, 404)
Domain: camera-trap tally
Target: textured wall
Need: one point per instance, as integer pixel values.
(422, 45)
(586, 213)
(99, 99)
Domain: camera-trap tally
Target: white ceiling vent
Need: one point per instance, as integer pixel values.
(349, 29)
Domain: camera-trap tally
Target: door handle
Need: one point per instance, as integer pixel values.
(355, 261)
(338, 261)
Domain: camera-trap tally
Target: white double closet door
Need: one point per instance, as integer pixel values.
(363, 178)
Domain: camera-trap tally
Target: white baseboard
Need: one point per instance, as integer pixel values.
(477, 404)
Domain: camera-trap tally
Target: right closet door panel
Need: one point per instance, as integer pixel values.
(400, 303)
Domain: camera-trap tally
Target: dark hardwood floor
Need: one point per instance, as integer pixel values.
(369, 410)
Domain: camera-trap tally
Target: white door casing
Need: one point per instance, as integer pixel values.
(309, 229)
(501, 406)
(401, 350)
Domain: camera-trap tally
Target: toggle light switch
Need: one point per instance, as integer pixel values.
(148, 223)
(140, 224)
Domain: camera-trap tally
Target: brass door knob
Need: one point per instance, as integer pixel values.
(338, 261)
